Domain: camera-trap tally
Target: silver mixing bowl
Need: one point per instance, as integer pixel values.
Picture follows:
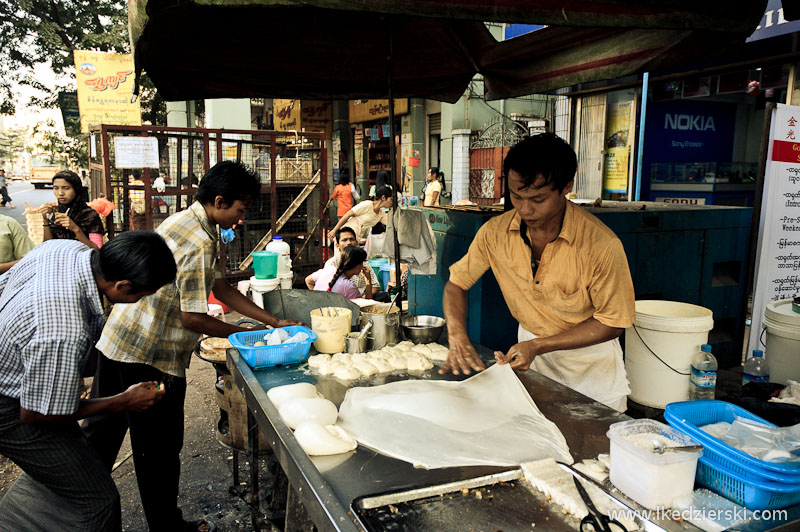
(422, 329)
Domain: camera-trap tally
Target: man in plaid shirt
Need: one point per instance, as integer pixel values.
(153, 339)
(51, 314)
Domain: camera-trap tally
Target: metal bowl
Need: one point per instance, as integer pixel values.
(422, 329)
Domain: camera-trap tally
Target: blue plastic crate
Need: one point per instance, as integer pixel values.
(747, 492)
(689, 416)
(272, 355)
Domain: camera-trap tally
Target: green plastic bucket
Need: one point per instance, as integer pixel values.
(265, 264)
(376, 264)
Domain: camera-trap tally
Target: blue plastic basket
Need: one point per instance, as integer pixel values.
(747, 492)
(734, 474)
(272, 355)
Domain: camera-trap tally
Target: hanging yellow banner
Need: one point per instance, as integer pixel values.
(105, 89)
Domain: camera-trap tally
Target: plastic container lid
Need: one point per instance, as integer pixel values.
(264, 285)
(619, 433)
(705, 348)
(758, 353)
(277, 238)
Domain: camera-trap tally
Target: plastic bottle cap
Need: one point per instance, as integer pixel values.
(758, 353)
(706, 348)
(277, 238)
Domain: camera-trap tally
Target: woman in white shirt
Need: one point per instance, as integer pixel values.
(434, 188)
(365, 215)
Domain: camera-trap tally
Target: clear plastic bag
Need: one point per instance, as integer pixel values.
(488, 419)
(773, 444)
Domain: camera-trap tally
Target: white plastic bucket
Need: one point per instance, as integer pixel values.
(259, 287)
(659, 348)
(331, 325)
(286, 280)
(782, 341)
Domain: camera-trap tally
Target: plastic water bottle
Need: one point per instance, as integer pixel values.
(756, 368)
(703, 381)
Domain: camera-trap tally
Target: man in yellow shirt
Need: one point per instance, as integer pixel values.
(564, 276)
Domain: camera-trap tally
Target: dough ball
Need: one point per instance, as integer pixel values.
(347, 373)
(327, 367)
(359, 357)
(323, 440)
(281, 394)
(365, 368)
(259, 344)
(405, 345)
(302, 409)
(422, 349)
(398, 363)
(315, 361)
(342, 357)
(418, 363)
(391, 351)
(379, 354)
(381, 364)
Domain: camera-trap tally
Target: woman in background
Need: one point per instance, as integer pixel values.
(70, 217)
(337, 279)
(345, 195)
(433, 188)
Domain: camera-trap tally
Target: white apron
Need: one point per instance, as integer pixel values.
(596, 371)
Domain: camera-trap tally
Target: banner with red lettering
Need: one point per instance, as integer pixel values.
(778, 266)
(105, 89)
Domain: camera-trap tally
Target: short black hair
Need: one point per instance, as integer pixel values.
(545, 154)
(345, 229)
(344, 177)
(229, 179)
(70, 177)
(383, 191)
(141, 257)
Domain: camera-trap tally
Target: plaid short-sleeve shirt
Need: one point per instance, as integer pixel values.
(51, 314)
(150, 331)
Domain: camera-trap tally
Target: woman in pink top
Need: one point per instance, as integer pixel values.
(332, 279)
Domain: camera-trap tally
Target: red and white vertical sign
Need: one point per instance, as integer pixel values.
(778, 254)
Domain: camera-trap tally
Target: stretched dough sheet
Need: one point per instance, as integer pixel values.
(488, 419)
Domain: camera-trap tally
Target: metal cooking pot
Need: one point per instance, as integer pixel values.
(385, 327)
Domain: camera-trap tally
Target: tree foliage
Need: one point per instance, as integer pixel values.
(46, 32)
(12, 144)
(64, 149)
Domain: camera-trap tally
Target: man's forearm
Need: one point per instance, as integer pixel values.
(586, 333)
(5, 266)
(454, 304)
(234, 299)
(87, 408)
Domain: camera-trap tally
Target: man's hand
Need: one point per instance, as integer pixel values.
(461, 357)
(519, 355)
(142, 396)
(287, 323)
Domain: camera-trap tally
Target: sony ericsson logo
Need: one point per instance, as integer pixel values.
(689, 122)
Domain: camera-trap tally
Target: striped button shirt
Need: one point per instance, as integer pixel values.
(51, 314)
(150, 331)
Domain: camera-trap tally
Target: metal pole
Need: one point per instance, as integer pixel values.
(640, 147)
(393, 159)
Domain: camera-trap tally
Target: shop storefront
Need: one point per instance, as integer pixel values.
(369, 122)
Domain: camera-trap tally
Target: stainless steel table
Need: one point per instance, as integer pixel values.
(333, 489)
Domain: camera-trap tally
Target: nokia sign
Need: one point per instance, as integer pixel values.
(685, 122)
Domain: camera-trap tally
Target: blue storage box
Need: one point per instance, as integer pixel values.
(272, 355)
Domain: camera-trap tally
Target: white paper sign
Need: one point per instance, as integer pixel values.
(778, 266)
(136, 152)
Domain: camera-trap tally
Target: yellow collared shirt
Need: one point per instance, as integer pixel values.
(150, 331)
(583, 273)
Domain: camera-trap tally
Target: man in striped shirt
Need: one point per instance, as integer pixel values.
(51, 314)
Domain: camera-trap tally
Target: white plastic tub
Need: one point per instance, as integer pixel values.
(653, 480)
(782, 341)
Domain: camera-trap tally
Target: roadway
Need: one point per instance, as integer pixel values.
(22, 192)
